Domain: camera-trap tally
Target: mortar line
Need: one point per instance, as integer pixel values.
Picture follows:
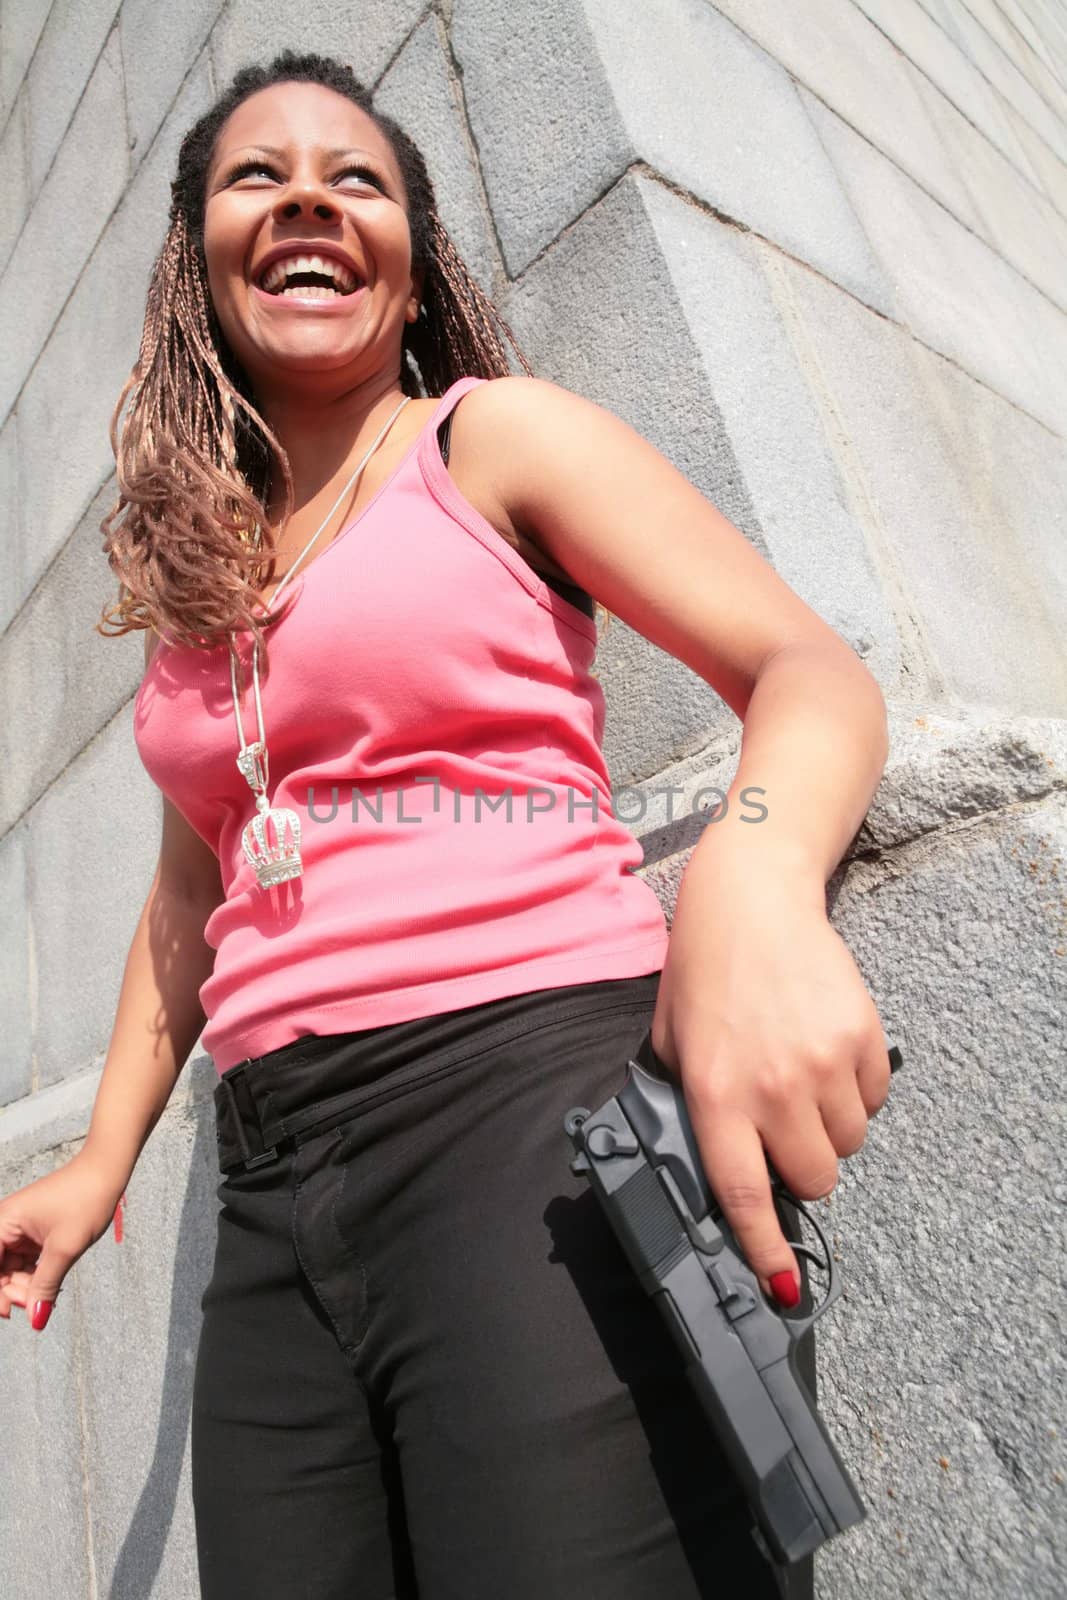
(995, 42)
(641, 169)
(456, 78)
(67, 126)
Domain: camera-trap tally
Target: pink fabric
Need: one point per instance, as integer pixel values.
(419, 646)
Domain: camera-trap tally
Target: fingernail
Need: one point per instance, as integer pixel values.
(785, 1289)
(42, 1310)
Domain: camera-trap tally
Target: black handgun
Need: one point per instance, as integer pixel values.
(640, 1154)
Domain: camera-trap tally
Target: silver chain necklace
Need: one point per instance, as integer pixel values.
(277, 860)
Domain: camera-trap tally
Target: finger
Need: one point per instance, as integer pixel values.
(10, 1234)
(16, 1243)
(844, 1116)
(51, 1269)
(873, 1077)
(18, 1261)
(16, 1286)
(799, 1149)
(736, 1167)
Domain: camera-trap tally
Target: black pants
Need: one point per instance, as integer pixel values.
(425, 1365)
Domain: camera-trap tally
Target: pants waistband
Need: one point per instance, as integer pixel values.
(318, 1081)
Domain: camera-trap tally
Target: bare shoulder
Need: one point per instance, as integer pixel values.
(490, 422)
(513, 401)
(601, 500)
(520, 429)
(501, 408)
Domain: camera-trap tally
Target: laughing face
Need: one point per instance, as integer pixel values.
(307, 242)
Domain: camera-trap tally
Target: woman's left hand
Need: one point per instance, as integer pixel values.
(764, 1017)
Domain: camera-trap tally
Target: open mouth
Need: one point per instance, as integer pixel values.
(309, 278)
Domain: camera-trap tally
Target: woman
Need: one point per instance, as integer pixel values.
(424, 1364)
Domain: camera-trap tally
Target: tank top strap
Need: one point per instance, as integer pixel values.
(452, 395)
(441, 424)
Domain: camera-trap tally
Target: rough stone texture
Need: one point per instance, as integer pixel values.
(420, 91)
(833, 54)
(953, 291)
(952, 270)
(144, 1295)
(601, 315)
(62, 65)
(855, 71)
(562, 140)
(962, 499)
(92, 844)
(746, 149)
(953, 1213)
(83, 187)
(942, 1375)
(946, 68)
(821, 268)
(866, 454)
(101, 1501)
(1020, 224)
(962, 127)
(945, 774)
(1027, 91)
(16, 984)
(158, 44)
(15, 166)
(53, 659)
(64, 453)
(20, 29)
(42, 1509)
(10, 518)
(365, 37)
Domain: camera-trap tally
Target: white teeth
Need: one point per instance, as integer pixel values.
(274, 278)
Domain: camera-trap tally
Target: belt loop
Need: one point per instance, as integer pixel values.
(250, 1160)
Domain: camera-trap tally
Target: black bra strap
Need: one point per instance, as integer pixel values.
(444, 434)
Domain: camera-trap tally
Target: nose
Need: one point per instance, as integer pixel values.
(305, 195)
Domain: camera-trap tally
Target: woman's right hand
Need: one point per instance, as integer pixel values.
(44, 1229)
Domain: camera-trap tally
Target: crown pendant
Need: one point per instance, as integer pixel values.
(274, 859)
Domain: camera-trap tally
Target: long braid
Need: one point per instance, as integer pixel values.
(467, 324)
(178, 470)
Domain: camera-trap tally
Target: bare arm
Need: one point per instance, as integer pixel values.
(761, 1009)
(159, 1016)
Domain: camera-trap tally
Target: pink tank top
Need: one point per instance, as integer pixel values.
(431, 717)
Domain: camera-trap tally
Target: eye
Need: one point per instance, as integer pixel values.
(249, 165)
(254, 164)
(366, 172)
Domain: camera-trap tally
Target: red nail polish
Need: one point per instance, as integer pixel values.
(785, 1290)
(42, 1310)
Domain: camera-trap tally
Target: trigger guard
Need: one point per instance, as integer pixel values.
(799, 1326)
(806, 1250)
